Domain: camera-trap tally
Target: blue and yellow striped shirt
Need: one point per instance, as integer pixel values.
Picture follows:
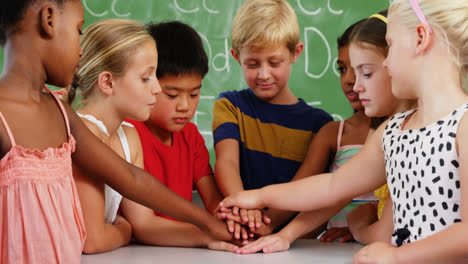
(273, 139)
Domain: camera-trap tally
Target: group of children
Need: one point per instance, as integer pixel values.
(122, 165)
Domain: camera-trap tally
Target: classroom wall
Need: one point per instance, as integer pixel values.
(314, 77)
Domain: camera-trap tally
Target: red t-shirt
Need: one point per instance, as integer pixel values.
(179, 166)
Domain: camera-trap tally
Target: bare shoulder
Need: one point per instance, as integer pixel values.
(132, 136)
(329, 131)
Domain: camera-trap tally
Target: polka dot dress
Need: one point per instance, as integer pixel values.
(422, 176)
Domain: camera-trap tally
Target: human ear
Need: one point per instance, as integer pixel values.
(235, 55)
(106, 83)
(298, 51)
(47, 19)
(423, 38)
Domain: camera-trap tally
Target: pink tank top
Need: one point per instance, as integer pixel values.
(40, 213)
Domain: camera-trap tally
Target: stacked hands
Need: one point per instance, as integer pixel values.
(247, 220)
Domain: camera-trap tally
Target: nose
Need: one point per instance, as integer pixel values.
(358, 87)
(263, 73)
(183, 104)
(156, 87)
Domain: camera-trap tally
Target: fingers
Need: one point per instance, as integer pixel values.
(256, 246)
(334, 233)
(234, 218)
(230, 225)
(346, 238)
(266, 219)
(222, 246)
(244, 233)
(235, 210)
(244, 215)
(237, 230)
(267, 244)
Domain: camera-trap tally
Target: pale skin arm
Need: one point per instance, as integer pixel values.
(301, 225)
(323, 190)
(100, 162)
(446, 246)
(209, 192)
(228, 179)
(319, 155)
(101, 237)
(365, 226)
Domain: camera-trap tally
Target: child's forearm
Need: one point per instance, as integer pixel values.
(150, 192)
(165, 232)
(447, 246)
(296, 195)
(305, 222)
(107, 238)
(228, 177)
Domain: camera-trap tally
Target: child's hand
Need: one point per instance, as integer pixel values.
(334, 233)
(218, 230)
(379, 252)
(267, 244)
(239, 231)
(254, 218)
(245, 199)
(221, 246)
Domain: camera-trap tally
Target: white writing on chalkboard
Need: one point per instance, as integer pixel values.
(327, 45)
(196, 9)
(313, 13)
(114, 12)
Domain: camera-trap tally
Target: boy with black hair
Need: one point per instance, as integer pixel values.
(173, 149)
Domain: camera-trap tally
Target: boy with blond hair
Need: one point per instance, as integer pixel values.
(261, 134)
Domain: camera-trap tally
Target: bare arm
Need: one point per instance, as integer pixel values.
(318, 158)
(446, 246)
(450, 244)
(209, 192)
(322, 190)
(301, 225)
(365, 226)
(101, 237)
(227, 171)
(97, 160)
(155, 230)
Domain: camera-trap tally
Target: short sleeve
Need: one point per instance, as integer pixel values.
(201, 163)
(225, 121)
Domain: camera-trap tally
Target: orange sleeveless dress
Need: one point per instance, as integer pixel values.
(40, 212)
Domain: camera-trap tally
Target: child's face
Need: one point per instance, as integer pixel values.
(347, 78)
(178, 101)
(267, 71)
(400, 59)
(372, 81)
(65, 51)
(135, 90)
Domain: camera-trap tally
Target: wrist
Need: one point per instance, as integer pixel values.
(287, 234)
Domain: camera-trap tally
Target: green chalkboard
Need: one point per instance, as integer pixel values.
(314, 77)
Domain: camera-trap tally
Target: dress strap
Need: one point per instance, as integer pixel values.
(59, 102)
(124, 142)
(10, 135)
(340, 133)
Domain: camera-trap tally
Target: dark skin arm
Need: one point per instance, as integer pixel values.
(98, 161)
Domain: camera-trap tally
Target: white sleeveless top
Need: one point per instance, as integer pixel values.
(423, 176)
(112, 198)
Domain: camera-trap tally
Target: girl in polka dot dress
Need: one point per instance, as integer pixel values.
(423, 153)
